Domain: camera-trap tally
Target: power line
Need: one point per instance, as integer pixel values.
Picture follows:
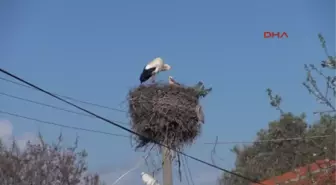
(66, 97)
(207, 143)
(126, 129)
(70, 98)
(269, 140)
(186, 165)
(61, 125)
(52, 106)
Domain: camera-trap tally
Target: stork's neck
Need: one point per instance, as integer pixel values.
(149, 67)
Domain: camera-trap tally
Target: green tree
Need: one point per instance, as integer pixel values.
(263, 160)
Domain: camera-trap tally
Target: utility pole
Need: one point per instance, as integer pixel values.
(167, 167)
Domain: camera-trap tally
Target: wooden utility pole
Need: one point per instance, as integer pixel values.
(167, 167)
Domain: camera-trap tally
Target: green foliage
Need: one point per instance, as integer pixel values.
(202, 92)
(323, 42)
(324, 46)
(271, 154)
(275, 101)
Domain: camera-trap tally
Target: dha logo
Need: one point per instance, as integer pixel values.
(280, 35)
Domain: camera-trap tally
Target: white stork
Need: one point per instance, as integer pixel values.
(152, 68)
(172, 81)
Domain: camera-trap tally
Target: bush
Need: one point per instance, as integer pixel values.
(44, 164)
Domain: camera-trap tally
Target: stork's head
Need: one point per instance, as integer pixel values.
(158, 59)
(166, 67)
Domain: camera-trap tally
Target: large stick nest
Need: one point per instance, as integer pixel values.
(165, 113)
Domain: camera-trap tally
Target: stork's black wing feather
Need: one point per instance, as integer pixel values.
(146, 74)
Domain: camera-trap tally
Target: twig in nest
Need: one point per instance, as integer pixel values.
(165, 113)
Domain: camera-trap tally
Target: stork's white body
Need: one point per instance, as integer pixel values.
(152, 69)
(156, 63)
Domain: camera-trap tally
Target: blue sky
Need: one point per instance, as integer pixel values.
(95, 51)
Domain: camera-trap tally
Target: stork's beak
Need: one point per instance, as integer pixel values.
(167, 67)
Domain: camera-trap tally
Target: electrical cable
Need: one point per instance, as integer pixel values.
(61, 125)
(185, 170)
(269, 140)
(189, 171)
(52, 106)
(207, 143)
(66, 97)
(124, 128)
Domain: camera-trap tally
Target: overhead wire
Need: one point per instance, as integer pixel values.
(66, 97)
(124, 128)
(189, 171)
(61, 125)
(51, 106)
(186, 171)
(69, 98)
(267, 140)
(206, 143)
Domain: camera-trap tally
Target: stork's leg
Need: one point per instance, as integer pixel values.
(153, 78)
